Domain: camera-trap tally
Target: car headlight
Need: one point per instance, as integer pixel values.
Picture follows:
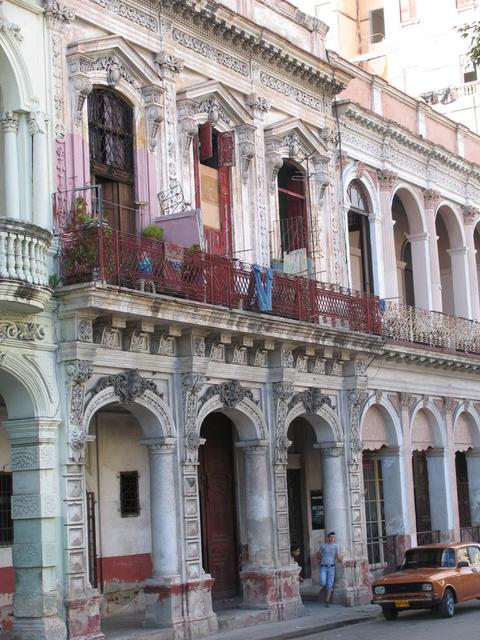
(427, 586)
(379, 591)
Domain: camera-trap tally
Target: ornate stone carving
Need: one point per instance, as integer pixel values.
(210, 52)
(449, 404)
(282, 392)
(82, 88)
(168, 65)
(312, 400)
(259, 106)
(287, 359)
(9, 121)
(153, 100)
(217, 352)
(33, 457)
(261, 358)
(85, 331)
(28, 331)
(166, 346)
(188, 127)
(77, 441)
(192, 385)
(431, 198)
(77, 373)
(59, 12)
(292, 92)
(386, 179)
(127, 386)
(130, 12)
(239, 355)
(405, 400)
(9, 27)
(108, 337)
(246, 144)
(199, 346)
(301, 363)
(319, 366)
(137, 341)
(114, 68)
(321, 175)
(356, 398)
(332, 452)
(230, 393)
(274, 161)
(470, 214)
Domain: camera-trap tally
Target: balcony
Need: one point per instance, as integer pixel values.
(23, 266)
(430, 328)
(95, 252)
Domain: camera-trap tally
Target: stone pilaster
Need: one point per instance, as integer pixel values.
(431, 199)
(470, 218)
(9, 121)
(35, 513)
(40, 192)
(386, 182)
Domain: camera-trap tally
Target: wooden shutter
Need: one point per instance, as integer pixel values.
(226, 149)
(205, 132)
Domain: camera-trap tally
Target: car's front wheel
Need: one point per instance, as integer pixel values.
(389, 613)
(446, 608)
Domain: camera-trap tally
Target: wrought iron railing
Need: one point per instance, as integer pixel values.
(431, 328)
(470, 534)
(96, 252)
(77, 206)
(428, 537)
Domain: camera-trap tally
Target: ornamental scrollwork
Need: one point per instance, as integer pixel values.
(356, 399)
(312, 400)
(282, 393)
(127, 386)
(230, 393)
(29, 331)
(192, 385)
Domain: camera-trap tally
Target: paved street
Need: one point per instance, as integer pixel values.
(416, 625)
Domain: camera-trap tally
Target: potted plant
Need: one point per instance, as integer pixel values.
(145, 264)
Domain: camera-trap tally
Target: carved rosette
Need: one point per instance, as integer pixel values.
(356, 398)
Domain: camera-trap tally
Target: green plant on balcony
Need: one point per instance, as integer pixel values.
(153, 232)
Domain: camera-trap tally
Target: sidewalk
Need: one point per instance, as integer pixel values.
(317, 618)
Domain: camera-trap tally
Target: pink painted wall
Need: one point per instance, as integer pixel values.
(358, 90)
(404, 114)
(472, 149)
(441, 134)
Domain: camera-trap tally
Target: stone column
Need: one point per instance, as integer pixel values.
(35, 513)
(40, 178)
(386, 182)
(395, 489)
(439, 492)
(9, 120)
(164, 607)
(405, 400)
(258, 575)
(421, 269)
(470, 217)
(431, 199)
(473, 470)
(460, 282)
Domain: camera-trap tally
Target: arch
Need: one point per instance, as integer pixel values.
(433, 420)
(413, 208)
(246, 416)
(361, 238)
(25, 388)
(352, 173)
(466, 409)
(393, 436)
(18, 91)
(453, 223)
(324, 422)
(153, 414)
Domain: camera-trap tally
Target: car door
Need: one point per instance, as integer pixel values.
(474, 557)
(463, 586)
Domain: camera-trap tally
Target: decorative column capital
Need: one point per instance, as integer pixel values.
(253, 447)
(274, 160)
(246, 141)
(321, 174)
(386, 179)
(168, 65)
(259, 106)
(431, 198)
(159, 446)
(36, 122)
(470, 214)
(186, 110)
(153, 100)
(59, 12)
(9, 120)
(330, 449)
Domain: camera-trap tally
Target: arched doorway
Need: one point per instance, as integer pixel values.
(446, 276)
(117, 480)
(111, 140)
(361, 270)
(292, 210)
(432, 510)
(403, 253)
(220, 549)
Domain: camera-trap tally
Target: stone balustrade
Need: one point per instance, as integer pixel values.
(23, 266)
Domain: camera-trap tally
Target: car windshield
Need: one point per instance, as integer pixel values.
(415, 558)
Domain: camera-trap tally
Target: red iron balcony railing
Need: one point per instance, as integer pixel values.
(96, 252)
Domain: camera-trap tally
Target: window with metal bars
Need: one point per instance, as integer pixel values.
(374, 509)
(129, 497)
(110, 129)
(6, 523)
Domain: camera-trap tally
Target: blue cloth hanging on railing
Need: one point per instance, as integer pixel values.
(382, 303)
(264, 291)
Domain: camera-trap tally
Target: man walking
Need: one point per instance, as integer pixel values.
(328, 554)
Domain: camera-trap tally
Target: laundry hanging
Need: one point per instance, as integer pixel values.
(264, 291)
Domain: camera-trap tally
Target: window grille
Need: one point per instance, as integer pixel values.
(6, 523)
(110, 128)
(129, 498)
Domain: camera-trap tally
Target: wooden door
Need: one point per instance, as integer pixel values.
(118, 204)
(217, 503)
(421, 492)
(295, 515)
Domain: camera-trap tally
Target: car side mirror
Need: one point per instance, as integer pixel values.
(462, 564)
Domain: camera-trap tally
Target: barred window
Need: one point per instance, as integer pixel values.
(129, 498)
(6, 523)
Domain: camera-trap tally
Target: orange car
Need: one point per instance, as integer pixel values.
(433, 576)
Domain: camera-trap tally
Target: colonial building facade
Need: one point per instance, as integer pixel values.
(295, 351)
